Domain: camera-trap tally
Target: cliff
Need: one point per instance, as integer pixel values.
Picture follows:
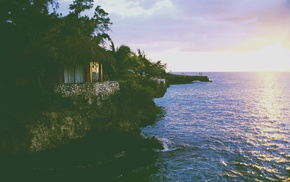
(91, 128)
(81, 108)
(184, 79)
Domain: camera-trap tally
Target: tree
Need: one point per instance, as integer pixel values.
(121, 67)
(80, 37)
(34, 40)
(149, 67)
(22, 24)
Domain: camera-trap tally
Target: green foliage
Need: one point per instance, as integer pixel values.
(35, 42)
(135, 104)
(79, 6)
(129, 65)
(159, 88)
(32, 37)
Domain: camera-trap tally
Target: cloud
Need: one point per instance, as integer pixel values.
(212, 35)
(207, 25)
(145, 4)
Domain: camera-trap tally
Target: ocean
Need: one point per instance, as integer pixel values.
(235, 128)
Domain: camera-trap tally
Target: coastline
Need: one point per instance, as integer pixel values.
(100, 156)
(112, 150)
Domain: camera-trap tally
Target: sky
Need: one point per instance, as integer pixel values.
(203, 35)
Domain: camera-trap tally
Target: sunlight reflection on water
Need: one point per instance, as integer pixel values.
(236, 128)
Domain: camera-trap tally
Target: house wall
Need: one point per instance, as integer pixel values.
(81, 73)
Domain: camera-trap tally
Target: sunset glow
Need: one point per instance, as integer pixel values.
(204, 35)
(267, 59)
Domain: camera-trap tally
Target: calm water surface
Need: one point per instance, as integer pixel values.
(236, 128)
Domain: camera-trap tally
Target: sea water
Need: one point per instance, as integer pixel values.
(236, 128)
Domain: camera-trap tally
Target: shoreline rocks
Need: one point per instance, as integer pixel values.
(99, 156)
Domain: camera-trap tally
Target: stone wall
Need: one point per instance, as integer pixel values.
(88, 90)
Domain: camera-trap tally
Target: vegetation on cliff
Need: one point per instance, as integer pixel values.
(34, 39)
(112, 149)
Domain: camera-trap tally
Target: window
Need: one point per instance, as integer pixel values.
(74, 74)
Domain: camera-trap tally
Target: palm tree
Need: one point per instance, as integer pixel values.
(122, 68)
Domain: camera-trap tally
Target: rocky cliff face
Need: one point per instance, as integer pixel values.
(55, 128)
(105, 106)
